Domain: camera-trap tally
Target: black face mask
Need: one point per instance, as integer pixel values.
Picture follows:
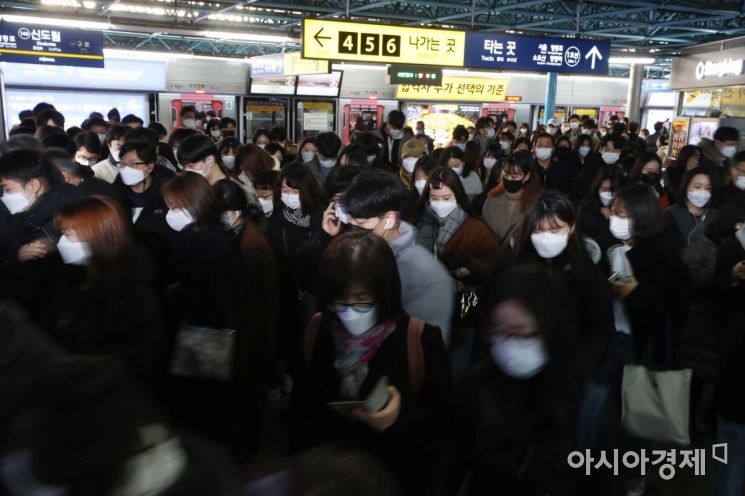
(512, 186)
(652, 179)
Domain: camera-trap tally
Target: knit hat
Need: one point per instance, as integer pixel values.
(413, 147)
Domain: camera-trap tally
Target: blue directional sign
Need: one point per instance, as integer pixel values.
(32, 44)
(268, 65)
(535, 53)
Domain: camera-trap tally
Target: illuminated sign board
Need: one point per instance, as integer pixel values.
(353, 41)
(714, 69)
(414, 74)
(718, 69)
(457, 89)
(513, 99)
(33, 44)
(536, 53)
(286, 64)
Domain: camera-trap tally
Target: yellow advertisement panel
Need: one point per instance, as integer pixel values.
(295, 65)
(355, 41)
(471, 89)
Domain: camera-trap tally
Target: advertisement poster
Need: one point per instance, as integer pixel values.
(679, 130)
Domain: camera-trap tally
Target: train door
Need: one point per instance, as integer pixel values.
(361, 115)
(201, 103)
(263, 113)
(498, 112)
(313, 117)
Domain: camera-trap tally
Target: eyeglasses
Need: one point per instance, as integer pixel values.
(133, 165)
(523, 331)
(357, 307)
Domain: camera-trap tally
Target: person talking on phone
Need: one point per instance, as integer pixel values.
(361, 336)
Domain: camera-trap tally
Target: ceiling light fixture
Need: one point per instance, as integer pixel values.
(631, 60)
(222, 35)
(54, 22)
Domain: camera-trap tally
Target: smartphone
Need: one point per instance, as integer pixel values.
(618, 277)
(376, 400)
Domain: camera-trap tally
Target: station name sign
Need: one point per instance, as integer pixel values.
(286, 64)
(34, 44)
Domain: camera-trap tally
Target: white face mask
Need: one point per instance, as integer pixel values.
(461, 146)
(574, 124)
(101, 137)
(740, 183)
(548, 244)
(228, 161)
(420, 132)
(543, 153)
(327, 163)
(443, 208)
(307, 156)
(115, 155)
(505, 145)
(606, 198)
(457, 170)
(729, 151)
(178, 219)
(189, 123)
(490, 132)
(584, 151)
(409, 163)
(520, 358)
(261, 145)
(523, 130)
(215, 133)
(611, 158)
(15, 202)
(73, 252)
(396, 134)
(699, 197)
(356, 322)
(341, 213)
(267, 205)
(419, 184)
(551, 131)
(82, 161)
(292, 200)
(131, 176)
(587, 132)
(490, 162)
(620, 228)
(371, 158)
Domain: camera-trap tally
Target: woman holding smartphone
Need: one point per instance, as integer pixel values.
(361, 336)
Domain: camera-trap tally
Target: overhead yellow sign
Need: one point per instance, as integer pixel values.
(470, 89)
(355, 41)
(295, 65)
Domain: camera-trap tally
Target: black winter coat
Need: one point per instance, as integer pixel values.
(406, 446)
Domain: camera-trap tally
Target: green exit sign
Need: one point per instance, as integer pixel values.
(414, 74)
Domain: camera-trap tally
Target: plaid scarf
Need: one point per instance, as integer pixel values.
(445, 229)
(296, 217)
(353, 353)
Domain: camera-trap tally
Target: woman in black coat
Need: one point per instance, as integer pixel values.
(109, 305)
(362, 336)
(593, 211)
(515, 410)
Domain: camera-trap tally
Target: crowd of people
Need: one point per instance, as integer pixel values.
(446, 314)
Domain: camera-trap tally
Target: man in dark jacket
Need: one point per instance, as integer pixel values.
(394, 139)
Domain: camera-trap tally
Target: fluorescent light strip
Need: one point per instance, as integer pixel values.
(223, 35)
(55, 22)
(631, 60)
(164, 56)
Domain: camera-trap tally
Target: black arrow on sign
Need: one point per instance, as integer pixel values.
(318, 37)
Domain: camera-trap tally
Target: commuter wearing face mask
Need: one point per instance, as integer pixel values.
(141, 182)
(214, 131)
(455, 159)
(109, 304)
(595, 208)
(177, 137)
(524, 131)
(265, 185)
(423, 169)
(188, 117)
(449, 228)
(552, 168)
(653, 287)
(460, 138)
(33, 190)
(261, 138)
(198, 154)
(328, 145)
(575, 130)
(88, 149)
(588, 129)
(208, 287)
(549, 237)
(734, 191)
(108, 169)
(362, 335)
(648, 171)
(421, 133)
(490, 171)
(81, 176)
(506, 204)
(250, 162)
(485, 133)
(609, 156)
(307, 151)
(514, 416)
(411, 151)
(726, 140)
(394, 139)
(228, 149)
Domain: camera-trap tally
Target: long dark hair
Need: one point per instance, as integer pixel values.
(457, 153)
(444, 176)
(301, 178)
(611, 173)
(643, 208)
